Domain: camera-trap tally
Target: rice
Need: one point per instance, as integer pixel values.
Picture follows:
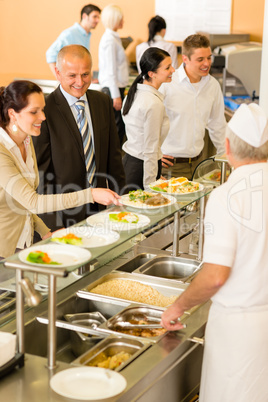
(133, 291)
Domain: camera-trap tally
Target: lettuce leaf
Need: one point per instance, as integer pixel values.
(36, 257)
(64, 240)
(114, 218)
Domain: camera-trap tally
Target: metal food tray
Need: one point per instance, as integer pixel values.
(165, 287)
(171, 268)
(80, 342)
(136, 313)
(136, 262)
(110, 347)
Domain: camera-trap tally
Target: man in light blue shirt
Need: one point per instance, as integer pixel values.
(78, 34)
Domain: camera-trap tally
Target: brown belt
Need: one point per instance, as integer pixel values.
(187, 160)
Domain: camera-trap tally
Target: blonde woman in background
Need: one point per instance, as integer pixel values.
(113, 64)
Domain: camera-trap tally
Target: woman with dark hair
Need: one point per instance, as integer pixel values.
(21, 114)
(157, 30)
(146, 120)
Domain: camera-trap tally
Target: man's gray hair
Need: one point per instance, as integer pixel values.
(242, 150)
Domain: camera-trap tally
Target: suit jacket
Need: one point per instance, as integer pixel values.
(60, 153)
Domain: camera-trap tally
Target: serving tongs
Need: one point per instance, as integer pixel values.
(129, 325)
(94, 329)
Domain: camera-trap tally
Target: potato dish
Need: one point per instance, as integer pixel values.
(109, 362)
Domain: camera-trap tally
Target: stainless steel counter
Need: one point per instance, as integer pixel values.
(172, 364)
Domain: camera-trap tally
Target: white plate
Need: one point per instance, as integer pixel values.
(207, 178)
(88, 383)
(201, 187)
(125, 201)
(66, 255)
(103, 219)
(91, 237)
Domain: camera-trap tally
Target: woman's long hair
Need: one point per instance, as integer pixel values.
(156, 24)
(150, 61)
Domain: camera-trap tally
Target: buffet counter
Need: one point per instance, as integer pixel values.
(171, 362)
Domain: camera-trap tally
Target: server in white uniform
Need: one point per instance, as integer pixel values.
(235, 272)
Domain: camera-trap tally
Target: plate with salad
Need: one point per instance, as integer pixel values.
(84, 236)
(54, 255)
(119, 220)
(215, 176)
(176, 186)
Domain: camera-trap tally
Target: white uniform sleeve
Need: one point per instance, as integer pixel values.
(220, 232)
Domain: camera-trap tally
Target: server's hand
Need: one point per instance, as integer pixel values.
(170, 319)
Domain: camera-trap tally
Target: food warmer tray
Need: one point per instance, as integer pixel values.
(109, 347)
(166, 287)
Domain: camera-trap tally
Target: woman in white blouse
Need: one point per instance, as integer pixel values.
(113, 64)
(146, 120)
(21, 114)
(157, 30)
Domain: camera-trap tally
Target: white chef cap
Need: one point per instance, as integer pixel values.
(248, 123)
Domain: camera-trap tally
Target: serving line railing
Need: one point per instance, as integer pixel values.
(156, 216)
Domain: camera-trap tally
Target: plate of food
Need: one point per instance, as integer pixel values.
(176, 186)
(84, 236)
(147, 200)
(119, 220)
(54, 255)
(215, 176)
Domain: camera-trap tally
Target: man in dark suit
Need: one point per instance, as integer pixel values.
(59, 148)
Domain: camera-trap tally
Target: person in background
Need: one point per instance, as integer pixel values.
(194, 102)
(157, 30)
(146, 120)
(234, 273)
(21, 114)
(78, 34)
(113, 64)
(65, 160)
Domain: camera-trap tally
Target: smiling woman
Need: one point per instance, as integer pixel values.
(146, 120)
(21, 116)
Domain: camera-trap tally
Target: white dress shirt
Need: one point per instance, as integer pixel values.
(147, 126)
(191, 109)
(113, 65)
(27, 169)
(158, 41)
(71, 101)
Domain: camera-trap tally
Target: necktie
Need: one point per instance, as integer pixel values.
(87, 142)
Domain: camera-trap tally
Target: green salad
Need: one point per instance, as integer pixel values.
(39, 257)
(69, 239)
(124, 217)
